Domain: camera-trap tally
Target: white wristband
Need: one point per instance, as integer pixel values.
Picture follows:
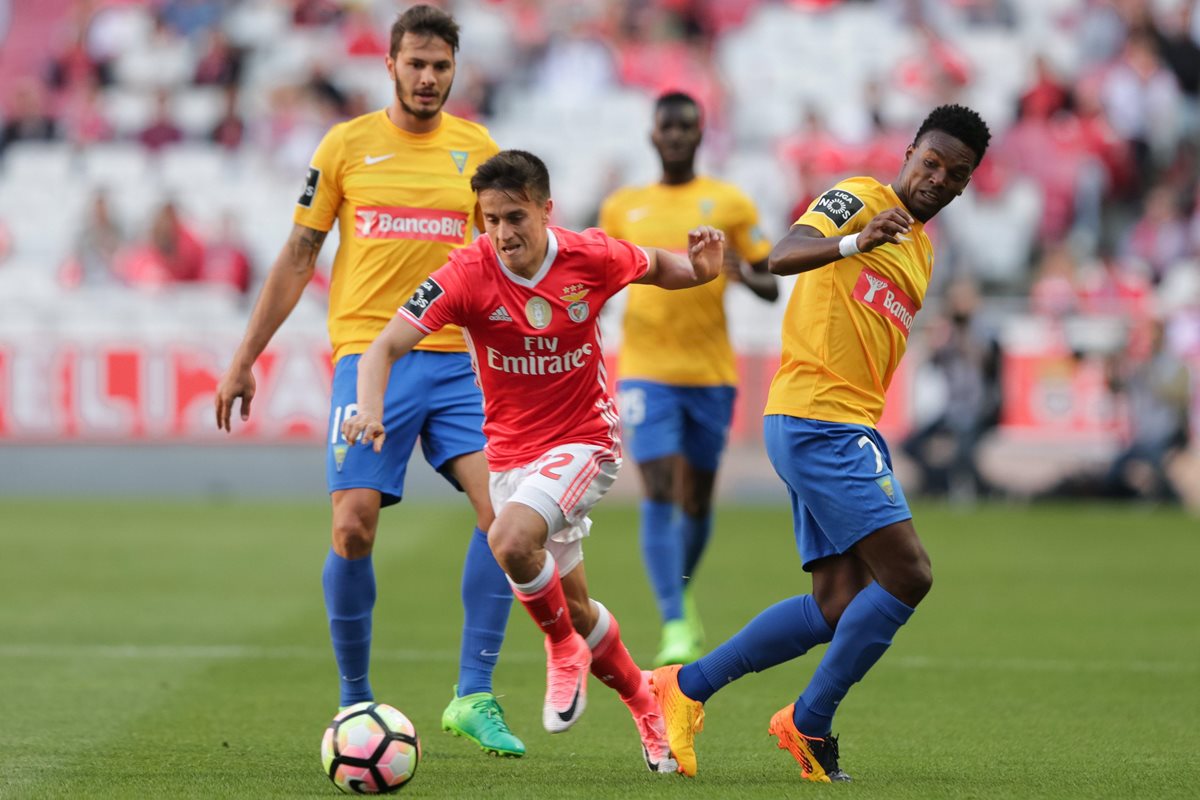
(848, 246)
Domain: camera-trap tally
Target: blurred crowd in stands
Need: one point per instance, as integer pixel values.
(1087, 206)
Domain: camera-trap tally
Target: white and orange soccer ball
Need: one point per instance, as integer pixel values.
(370, 748)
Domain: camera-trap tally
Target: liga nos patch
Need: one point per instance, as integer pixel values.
(839, 205)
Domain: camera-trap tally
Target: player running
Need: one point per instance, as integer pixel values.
(677, 372)
(864, 263)
(529, 298)
(397, 183)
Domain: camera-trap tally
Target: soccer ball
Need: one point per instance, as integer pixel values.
(370, 748)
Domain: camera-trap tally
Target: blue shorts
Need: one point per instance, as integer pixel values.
(431, 395)
(660, 420)
(840, 480)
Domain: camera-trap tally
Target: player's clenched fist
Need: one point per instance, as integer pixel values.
(886, 228)
(365, 428)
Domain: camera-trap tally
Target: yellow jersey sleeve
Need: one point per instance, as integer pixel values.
(846, 325)
(318, 204)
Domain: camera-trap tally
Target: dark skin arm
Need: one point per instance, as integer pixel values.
(291, 272)
(757, 278)
(804, 247)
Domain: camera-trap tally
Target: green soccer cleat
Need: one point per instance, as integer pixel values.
(480, 718)
(692, 616)
(678, 646)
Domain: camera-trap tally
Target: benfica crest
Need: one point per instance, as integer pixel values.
(578, 312)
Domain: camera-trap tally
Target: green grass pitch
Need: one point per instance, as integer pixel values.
(180, 650)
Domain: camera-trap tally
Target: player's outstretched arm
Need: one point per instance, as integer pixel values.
(291, 272)
(366, 426)
(706, 254)
(806, 248)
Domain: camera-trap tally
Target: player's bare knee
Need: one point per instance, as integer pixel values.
(911, 580)
(513, 552)
(353, 535)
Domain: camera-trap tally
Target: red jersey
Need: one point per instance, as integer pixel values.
(535, 343)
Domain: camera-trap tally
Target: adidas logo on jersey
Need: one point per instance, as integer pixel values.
(500, 315)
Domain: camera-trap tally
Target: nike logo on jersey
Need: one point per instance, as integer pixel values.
(634, 214)
(376, 159)
(500, 315)
(569, 714)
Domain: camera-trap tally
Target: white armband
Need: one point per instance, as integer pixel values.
(848, 246)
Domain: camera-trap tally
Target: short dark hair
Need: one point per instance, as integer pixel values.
(960, 122)
(675, 98)
(424, 20)
(514, 172)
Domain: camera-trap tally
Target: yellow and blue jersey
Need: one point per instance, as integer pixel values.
(402, 202)
(680, 337)
(847, 323)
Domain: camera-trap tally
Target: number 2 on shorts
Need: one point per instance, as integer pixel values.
(558, 462)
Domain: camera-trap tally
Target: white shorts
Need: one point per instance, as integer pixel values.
(562, 486)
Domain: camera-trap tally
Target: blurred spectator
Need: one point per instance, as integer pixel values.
(1142, 99)
(1180, 50)
(220, 63)
(362, 35)
(1109, 286)
(74, 63)
(226, 262)
(93, 261)
(315, 13)
(1160, 237)
(28, 119)
(82, 117)
(1055, 293)
(991, 230)
(172, 253)
(965, 363)
(1046, 95)
(162, 130)
(935, 72)
(230, 128)
(1156, 396)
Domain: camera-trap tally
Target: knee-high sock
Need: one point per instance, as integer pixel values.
(349, 599)
(543, 598)
(662, 553)
(786, 630)
(863, 635)
(613, 665)
(487, 599)
(694, 533)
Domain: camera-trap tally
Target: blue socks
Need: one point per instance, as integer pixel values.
(782, 632)
(349, 599)
(694, 534)
(863, 635)
(662, 553)
(487, 599)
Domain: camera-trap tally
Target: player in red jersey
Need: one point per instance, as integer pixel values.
(528, 296)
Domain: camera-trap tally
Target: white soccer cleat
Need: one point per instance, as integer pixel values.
(567, 666)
